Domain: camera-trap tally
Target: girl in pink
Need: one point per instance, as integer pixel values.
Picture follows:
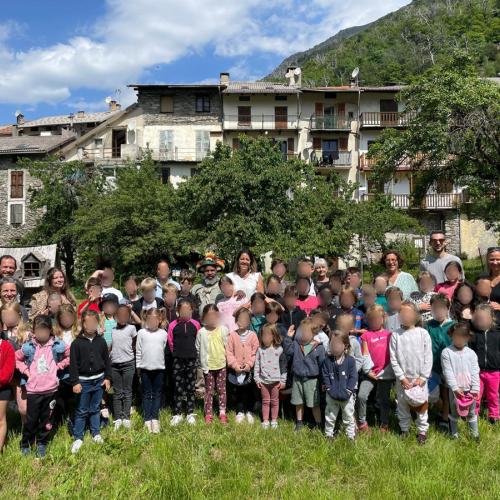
(305, 301)
(270, 373)
(453, 272)
(375, 343)
(229, 303)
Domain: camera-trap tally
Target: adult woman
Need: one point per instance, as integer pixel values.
(493, 262)
(9, 292)
(55, 282)
(392, 261)
(245, 276)
(321, 271)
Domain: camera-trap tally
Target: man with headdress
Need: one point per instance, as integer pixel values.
(207, 291)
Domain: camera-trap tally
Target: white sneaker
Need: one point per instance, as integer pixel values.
(149, 426)
(98, 439)
(118, 423)
(240, 417)
(155, 426)
(126, 424)
(77, 444)
(274, 424)
(175, 420)
(250, 418)
(265, 425)
(191, 419)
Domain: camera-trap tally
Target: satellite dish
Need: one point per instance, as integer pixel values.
(297, 71)
(355, 73)
(17, 113)
(108, 100)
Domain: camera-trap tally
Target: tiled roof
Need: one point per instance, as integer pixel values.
(259, 88)
(5, 130)
(66, 120)
(32, 144)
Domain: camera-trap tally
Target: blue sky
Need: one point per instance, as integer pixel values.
(58, 56)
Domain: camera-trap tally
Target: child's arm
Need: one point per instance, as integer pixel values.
(254, 345)
(325, 375)
(427, 365)
(138, 348)
(170, 335)
(73, 367)
(21, 366)
(134, 317)
(8, 365)
(448, 374)
(283, 369)
(107, 367)
(197, 344)
(352, 380)
(256, 370)
(474, 373)
(64, 361)
(398, 371)
(320, 353)
(231, 360)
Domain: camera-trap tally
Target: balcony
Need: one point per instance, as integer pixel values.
(260, 122)
(178, 154)
(367, 164)
(437, 201)
(331, 159)
(325, 122)
(376, 119)
(112, 155)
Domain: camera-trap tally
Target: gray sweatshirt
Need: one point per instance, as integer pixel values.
(460, 368)
(150, 349)
(270, 365)
(411, 353)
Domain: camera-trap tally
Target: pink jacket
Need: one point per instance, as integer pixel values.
(239, 353)
(42, 372)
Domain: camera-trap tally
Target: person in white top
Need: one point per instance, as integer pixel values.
(245, 276)
(107, 275)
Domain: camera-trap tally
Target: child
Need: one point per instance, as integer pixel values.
(340, 380)
(270, 373)
(292, 314)
(273, 311)
(149, 300)
(483, 289)
(305, 301)
(123, 337)
(90, 372)
(461, 372)
(170, 298)
(241, 350)
(150, 359)
(54, 301)
(375, 344)
(273, 289)
(182, 343)
(394, 296)
(258, 308)
(463, 301)
(353, 280)
(211, 344)
(228, 303)
(438, 328)
(345, 323)
(380, 283)
(109, 306)
(186, 281)
(453, 272)
(7, 367)
(422, 298)
(325, 298)
(39, 360)
(131, 289)
(411, 360)
(307, 357)
(337, 280)
(368, 298)
(94, 292)
(486, 344)
(320, 327)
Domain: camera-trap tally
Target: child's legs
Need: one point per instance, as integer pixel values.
(220, 382)
(190, 387)
(128, 381)
(348, 417)
(209, 392)
(472, 421)
(453, 414)
(31, 424)
(275, 401)
(157, 377)
(179, 384)
(147, 394)
(491, 384)
(422, 422)
(96, 393)
(3, 422)
(482, 381)
(365, 388)
(82, 410)
(444, 393)
(47, 404)
(331, 412)
(316, 411)
(299, 412)
(311, 393)
(383, 397)
(404, 412)
(21, 401)
(265, 391)
(117, 380)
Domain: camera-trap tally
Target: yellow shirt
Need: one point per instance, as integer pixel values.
(216, 350)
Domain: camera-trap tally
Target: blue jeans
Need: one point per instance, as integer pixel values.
(152, 386)
(88, 406)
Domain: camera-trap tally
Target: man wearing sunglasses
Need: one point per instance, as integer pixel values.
(438, 257)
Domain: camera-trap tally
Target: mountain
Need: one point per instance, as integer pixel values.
(404, 43)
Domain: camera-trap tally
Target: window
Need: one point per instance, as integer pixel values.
(16, 214)
(193, 172)
(203, 104)
(165, 175)
(166, 104)
(32, 268)
(244, 115)
(166, 142)
(244, 98)
(17, 184)
(202, 144)
(330, 95)
(280, 98)
(98, 141)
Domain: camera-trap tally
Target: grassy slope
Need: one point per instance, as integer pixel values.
(235, 462)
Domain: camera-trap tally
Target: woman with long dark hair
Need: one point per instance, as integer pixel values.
(245, 276)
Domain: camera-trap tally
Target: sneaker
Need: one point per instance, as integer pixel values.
(274, 424)
(77, 444)
(477, 439)
(223, 418)
(98, 439)
(191, 419)
(384, 428)
(421, 438)
(41, 450)
(240, 417)
(265, 425)
(25, 451)
(175, 420)
(208, 419)
(118, 423)
(444, 426)
(155, 426)
(299, 425)
(148, 426)
(363, 427)
(127, 424)
(250, 418)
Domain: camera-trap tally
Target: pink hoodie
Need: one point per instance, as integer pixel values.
(42, 372)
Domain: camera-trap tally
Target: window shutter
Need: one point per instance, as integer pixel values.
(16, 214)
(291, 145)
(318, 109)
(317, 143)
(236, 144)
(343, 144)
(166, 104)
(341, 109)
(17, 184)
(202, 143)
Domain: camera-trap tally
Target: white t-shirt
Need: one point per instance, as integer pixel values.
(248, 284)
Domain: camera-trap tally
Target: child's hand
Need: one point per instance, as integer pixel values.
(420, 381)
(324, 388)
(106, 384)
(458, 393)
(259, 385)
(474, 394)
(291, 331)
(406, 384)
(240, 294)
(424, 306)
(77, 389)
(372, 375)
(281, 386)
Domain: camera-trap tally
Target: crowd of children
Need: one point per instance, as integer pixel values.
(326, 347)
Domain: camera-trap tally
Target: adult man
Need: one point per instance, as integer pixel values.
(163, 277)
(107, 276)
(438, 258)
(9, 292)
(305, 269)
(8, 268)
(207, 291)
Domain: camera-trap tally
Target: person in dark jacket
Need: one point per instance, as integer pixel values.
(486, 344)
(340, 379)
(90, 372)
(291, 315)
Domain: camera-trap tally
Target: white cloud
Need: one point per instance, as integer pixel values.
(135, 36)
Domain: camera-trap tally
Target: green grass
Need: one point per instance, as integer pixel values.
(247, 462)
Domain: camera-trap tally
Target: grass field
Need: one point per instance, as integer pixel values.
(247, 462)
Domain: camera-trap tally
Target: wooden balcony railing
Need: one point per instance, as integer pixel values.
(97, 153)
(384, 119)
(260, 122)
(328, 158)
(366, 163)
(336, 122)
(178, 154)
(436, 201)
(131, 152)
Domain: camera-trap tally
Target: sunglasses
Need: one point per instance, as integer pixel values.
(438, 240)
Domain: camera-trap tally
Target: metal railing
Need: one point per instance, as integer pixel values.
(384, 119)
(435, 201)
(178, 154)
(98, 153)
(116, 155)
(335, 122)
(328, 158)
(260, 122)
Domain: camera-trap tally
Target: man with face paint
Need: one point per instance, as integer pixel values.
(208, 290)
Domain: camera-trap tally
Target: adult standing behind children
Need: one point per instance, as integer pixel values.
(245, 276)
(206, 292)
(163, 277)
(436, 261)
(392, 261)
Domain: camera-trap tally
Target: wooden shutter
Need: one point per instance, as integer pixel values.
(17, 184)
(281, 116)
(166, 104)
(16, 214)
(244, 115)
(291, 146)
(318, 109)
(316, 142)
(236, 144)
(343, 143)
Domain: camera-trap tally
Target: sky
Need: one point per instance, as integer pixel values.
(61, 56)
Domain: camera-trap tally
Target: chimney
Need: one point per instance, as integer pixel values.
(114, 106)
(80, 114)
(224, 78)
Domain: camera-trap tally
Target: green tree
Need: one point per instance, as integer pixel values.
(453, 136)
